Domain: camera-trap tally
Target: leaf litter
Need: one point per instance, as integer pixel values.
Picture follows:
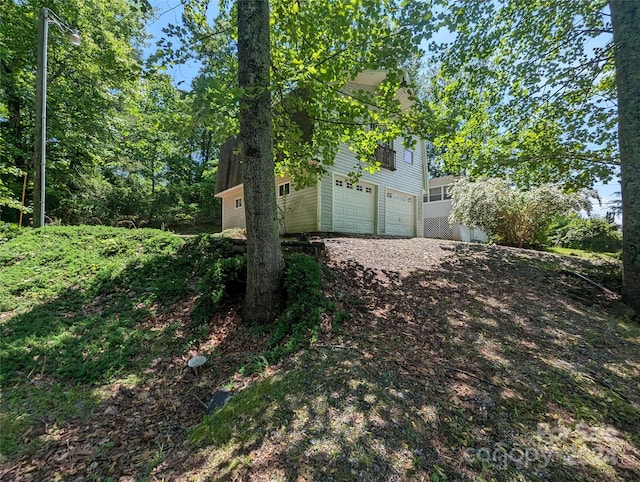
(441, 361)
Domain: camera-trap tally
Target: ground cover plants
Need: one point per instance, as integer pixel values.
(398, 360)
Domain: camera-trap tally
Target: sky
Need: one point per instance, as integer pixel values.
(170, 11)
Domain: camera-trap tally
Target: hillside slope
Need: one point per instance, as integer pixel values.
(441, 361)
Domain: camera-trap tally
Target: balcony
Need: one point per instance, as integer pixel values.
(386, 157)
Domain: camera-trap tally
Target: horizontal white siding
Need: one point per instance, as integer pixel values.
(407, 178)
(233, 217)
(326, 202)
(297, 211)
(437, 209)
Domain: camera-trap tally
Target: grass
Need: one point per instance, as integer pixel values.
(583, 253)
(454, 381)
(79, 305)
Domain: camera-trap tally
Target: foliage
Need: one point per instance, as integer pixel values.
(222, 272)
(85, 83)
(508, 215)
(309, 77)
(238, 418)
(80, 295)
(528, 90)
(122, 144)
(591, 234)
(300, 322)
(9, 231)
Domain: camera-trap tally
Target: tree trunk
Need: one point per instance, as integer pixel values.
(265, 266)
(626, 36)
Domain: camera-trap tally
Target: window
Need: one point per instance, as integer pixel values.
(239, 202)
(339, 183)
(408, 156)
(439, 193)
(435, 194)
(359, 188)
(368, 190)
(349, 185)
(386, 156)
(284, 189)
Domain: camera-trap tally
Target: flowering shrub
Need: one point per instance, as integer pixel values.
(508, 215)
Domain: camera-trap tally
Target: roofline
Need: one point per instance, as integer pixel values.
(226, 192)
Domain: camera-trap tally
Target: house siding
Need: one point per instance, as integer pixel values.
(436, 217)
(314, 206)
(233, 217)
(326, 202)
(407, 178)
(303, 218)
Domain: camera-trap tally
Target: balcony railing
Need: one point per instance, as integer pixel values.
(386, 157)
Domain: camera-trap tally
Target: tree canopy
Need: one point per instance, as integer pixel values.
(123, 142)
(316, 48)
(528, 90)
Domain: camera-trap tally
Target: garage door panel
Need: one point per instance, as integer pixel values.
(354, 206)
(400, 213)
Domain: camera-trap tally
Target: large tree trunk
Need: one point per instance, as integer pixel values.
(265, 266)
(626, 36)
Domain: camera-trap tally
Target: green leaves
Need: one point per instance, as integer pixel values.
(510, 216)
(530, 84)
(317, 48)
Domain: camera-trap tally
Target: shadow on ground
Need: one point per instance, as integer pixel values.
(477, 366)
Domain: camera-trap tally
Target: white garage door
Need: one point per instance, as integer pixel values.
(401, 214)
(353, 206)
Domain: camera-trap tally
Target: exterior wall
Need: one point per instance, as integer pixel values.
(233, 217)
(311, 209)
(298, 210)
(436, 216)
(326, 202)
(437, 209)
(407, 178)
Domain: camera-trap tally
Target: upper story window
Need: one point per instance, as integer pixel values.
(408, 156)
(439, 193)
(284, 189)
(239, 202)
(386, 156)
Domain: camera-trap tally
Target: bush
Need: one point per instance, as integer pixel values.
(9, 231)
(508, 215)
(300, 322)
(591, 234)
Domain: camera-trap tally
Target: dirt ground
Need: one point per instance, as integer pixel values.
(441, 361)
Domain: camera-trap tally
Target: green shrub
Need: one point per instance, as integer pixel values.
(299, 324)
(510, 216)
(591, 234)
(9, 231)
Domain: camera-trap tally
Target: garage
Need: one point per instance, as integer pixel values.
(401, 214)
(354, 206)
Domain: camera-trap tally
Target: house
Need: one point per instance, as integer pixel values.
(437, 208)
(385, 203)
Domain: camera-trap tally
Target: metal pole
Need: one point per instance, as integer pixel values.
(24, 191)
(40, 144)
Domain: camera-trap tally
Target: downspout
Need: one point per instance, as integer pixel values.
(425, 166)
(425, 180)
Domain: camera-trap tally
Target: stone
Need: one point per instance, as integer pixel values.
(219, 399)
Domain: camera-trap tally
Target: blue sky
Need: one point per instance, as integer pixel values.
(170, 11)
